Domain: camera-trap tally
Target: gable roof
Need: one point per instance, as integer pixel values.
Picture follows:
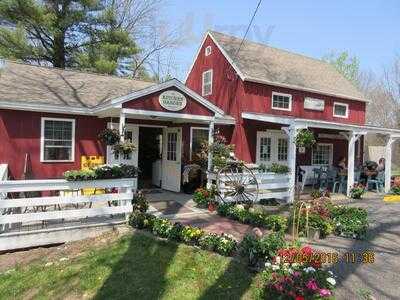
(260, 63)
(29, 84)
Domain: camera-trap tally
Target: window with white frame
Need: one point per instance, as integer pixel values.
(272, 147)
(207, 83)
(57, 140)
(340, 110)
(198, 137)
(207, 51)
(322, 155)
(281, 101)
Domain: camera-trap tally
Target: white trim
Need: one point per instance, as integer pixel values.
(283, 95)
(317, 123)
(149, 113)
(191, 137)
(60, 109)
(274, 135)
(43, 120)
(330, 154)
(208, 51)
(210, 71)
(346, 116)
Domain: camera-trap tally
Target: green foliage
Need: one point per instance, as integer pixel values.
(274, 168)
(83, 34)
(253, 217)
(348, 66)
(305, 138)
(141, 220)
(109, 136)
(350, 221)
(140, 203)
(226, 245)
(221, 152)
(175, 234)
(257, 251)
(191, 234)
(102, 172)
(124, 147)
(162, 227)
(209, 241)
(202, 197)
(395, 190)
(357, 191)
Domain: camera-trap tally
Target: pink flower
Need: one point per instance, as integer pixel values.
(312, 285)
(324, 292)
(296, 273)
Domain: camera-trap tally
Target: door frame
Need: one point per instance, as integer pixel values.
(179, 161)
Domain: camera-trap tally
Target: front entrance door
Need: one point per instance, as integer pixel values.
(171, 160)
(132, 134)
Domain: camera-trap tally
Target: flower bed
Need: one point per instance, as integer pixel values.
(253, 217)
(102, 172)
(350, 221)
(294, 274)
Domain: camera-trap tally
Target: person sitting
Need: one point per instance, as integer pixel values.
(342, 165)
(381, 165)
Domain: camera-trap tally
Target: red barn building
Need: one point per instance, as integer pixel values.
(258, 97)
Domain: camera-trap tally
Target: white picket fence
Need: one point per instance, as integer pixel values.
(70, 204)
(270, 185)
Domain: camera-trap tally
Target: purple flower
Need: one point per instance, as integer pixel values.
(312, 285)
(296, 273)
(324, 292)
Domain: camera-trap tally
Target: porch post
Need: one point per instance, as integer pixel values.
(388, 162)
(350, 162)
(122, 120)
(291, 132)
(209, 158)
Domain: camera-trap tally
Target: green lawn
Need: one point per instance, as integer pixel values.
(134, 267)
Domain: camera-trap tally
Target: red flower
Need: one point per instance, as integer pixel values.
(299, 298)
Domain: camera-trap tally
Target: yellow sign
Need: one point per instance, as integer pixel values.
(89, 162)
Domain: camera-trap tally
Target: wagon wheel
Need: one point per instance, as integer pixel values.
(237, 183)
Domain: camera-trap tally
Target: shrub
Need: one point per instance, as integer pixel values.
(395, 190)
(175, 234)
(275, 222)
(141, 220)
(357, 191)
(257, 251)
(226, 245)
(102, 172)
(191, 235)
(162, 227)
(315, 221)
(140, 203)
(350, 221)
(209, 241)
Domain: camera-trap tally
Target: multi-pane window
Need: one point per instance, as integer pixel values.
(208, 51)
(281, 101)
(199, 136)
(207, 83)
(340, 110)
(282, 149)
(57, 139)
(172, 139)
(265, 149)
(322, 154)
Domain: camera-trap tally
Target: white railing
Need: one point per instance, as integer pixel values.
(66, 205)
(270, 185)
(3, 177)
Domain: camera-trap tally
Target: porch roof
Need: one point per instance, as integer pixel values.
(287, 121)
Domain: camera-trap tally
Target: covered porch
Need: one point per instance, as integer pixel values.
(333, 142)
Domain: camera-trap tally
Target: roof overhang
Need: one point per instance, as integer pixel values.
(41, 107)
(289, 121)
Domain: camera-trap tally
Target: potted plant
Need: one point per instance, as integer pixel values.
(357, 191)
(212, 205)
(305, 138)
(109, 136)
(125, 147)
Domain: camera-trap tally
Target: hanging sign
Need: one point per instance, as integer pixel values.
(172, 100)
(314, 104)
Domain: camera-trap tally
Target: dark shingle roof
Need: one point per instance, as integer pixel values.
(44, 85)
(258, 62)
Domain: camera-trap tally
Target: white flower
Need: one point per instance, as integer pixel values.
(290, 271)
(309, 269)
(267, 264)
(239, 206)
(330, 273)
(331, 280)
(294, 265)
(275, 267)
(278, 259)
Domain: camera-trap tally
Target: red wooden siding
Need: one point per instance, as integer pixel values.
(150, 102)
(20, 134)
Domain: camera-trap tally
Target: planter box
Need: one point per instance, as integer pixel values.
(391, 198)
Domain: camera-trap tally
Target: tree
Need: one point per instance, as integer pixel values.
(347, 65)
(83, 34)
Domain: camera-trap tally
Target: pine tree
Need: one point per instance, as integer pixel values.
(82, 34)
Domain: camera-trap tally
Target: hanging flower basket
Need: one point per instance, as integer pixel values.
(109, 136)
(125, 147)
(305, 138)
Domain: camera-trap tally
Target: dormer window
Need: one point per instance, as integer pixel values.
(207, 83)
(281, 101)
(340, 110)
(207, 51)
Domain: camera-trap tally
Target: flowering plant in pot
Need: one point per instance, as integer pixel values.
(357, 191)
(305, 138)
(109, 136)
(125, 147)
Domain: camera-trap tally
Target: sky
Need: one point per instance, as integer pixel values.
(369, 29)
